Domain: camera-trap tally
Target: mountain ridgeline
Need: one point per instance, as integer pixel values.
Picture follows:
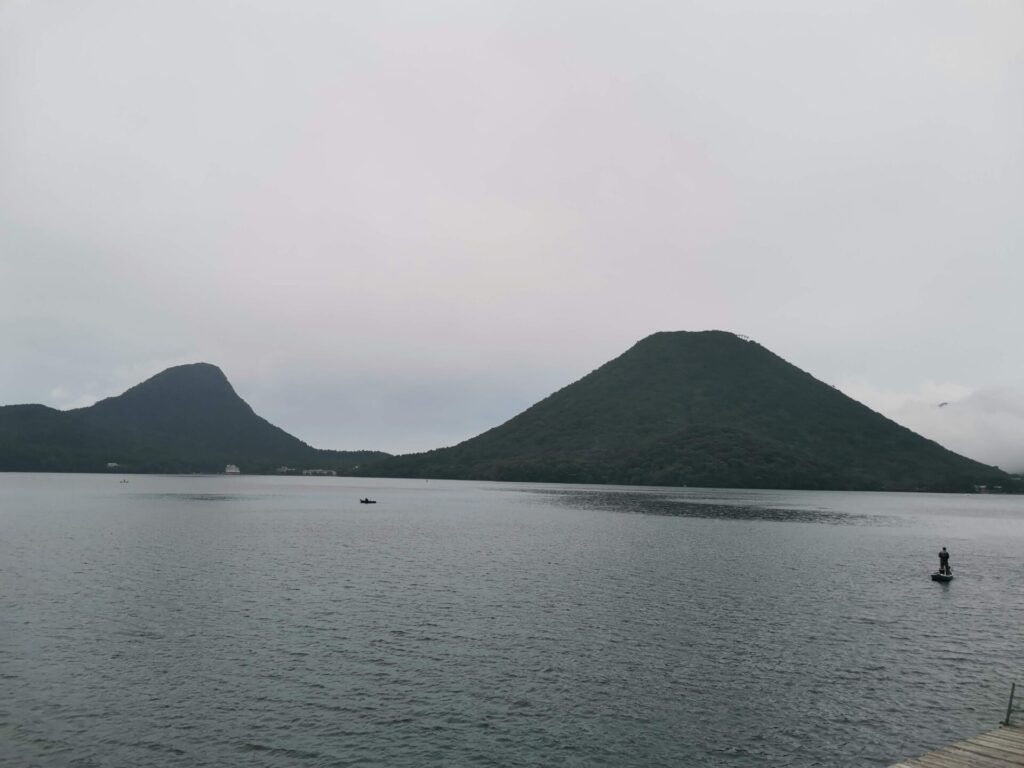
(707, 409)
(185, 419)
(701, 409)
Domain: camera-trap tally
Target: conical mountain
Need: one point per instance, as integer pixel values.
(702, 409)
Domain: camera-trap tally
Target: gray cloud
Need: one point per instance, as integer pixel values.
(451, 209)
(987, 425)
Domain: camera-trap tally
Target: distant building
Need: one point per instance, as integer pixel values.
(284, 470)
(232, 469)
(323, 472)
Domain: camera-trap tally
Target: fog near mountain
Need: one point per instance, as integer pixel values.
(985, 424)
(428, 216)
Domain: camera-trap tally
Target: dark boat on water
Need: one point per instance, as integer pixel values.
(367, 501)
(939, 576)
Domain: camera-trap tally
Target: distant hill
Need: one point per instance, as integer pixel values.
(185, 419)
(702, 409)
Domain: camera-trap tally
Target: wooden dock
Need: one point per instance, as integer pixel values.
(1001, 748)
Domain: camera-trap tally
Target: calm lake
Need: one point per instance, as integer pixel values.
(251, 621)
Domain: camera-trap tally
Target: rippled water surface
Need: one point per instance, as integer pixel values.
(245, 621)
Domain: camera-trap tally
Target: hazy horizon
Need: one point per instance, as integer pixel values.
(908, 411)
(394, 226)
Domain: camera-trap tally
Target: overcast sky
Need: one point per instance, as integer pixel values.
(394, 225)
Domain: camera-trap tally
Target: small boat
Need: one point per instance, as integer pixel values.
(367, 501)
(942, 576)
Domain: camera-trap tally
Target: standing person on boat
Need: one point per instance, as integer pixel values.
(944, 562)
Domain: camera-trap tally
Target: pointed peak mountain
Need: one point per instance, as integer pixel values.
(191, 370)
(192, 410)
(184, 419)
(192, 378)
(189, 393)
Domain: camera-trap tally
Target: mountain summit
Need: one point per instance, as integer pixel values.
(184, 419)
(194, 409)
(704, 409)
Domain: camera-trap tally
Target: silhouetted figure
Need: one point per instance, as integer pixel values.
(944, 562)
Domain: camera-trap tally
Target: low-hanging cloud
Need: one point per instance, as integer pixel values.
(986, 424)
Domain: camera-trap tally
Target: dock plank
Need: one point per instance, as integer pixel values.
(990, 757)
(1003, 735)
(999, 749)
(998, 742)
(953, 758)
(1002, 747)
(948, 761)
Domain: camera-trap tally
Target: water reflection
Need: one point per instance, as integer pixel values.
(201, 497)
(743, 506)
